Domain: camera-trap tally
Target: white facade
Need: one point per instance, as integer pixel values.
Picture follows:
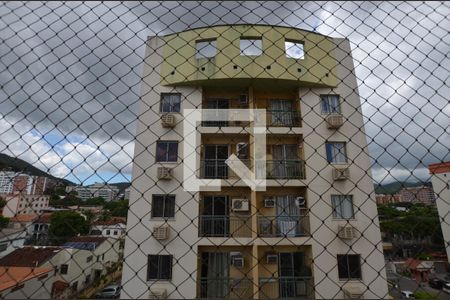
(11, 239)
(441, 185)
(25, 204)
(7, 181)
(15, 283)
(113, 230)
(107, 192)
(323, 245)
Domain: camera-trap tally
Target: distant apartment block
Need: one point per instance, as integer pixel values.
(388, 199)
(25, 204)
(440, 177)
(313, 233)
(13, 183)
(420, 194)
(107, 192)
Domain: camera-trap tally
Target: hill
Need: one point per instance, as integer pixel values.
(394, 187)
(19, 165)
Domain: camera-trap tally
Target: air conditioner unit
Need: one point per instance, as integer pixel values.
(341, 173)
(161, 232)
(237, 260)
(242, 150)
(238, 204)
(243, 99)
(168, 120)
(156, 293)
(334, 121)
(164, 173)
(347, 232)
(269, 202)
(300, 201)
(352, 292)
(272, 258)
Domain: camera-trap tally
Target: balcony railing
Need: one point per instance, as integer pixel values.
(283, 226)
(285, 287)
(218, 169)
(229, 288)
(225, 226)
(285, 169)
(283, 118)
(275, 118)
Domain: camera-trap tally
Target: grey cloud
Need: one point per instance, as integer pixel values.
(77, 66)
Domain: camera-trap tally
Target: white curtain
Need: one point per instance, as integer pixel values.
(342, 206)
(287, 212)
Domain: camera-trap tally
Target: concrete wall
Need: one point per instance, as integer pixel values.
(441, 182)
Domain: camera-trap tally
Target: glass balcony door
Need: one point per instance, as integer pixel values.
(218, 104)
(215, 219)
(285, 161)
(214, 164)
(282, 112)
(215, 273)
(288, 216)
(290, 268)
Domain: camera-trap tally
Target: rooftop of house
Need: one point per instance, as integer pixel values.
(86, 242)
(439, 168)
(44, 218)
(113, 221)
(29, 256)
(12, 233)
(24, 218)
(11, 276)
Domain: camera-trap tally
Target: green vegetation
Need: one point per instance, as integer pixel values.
(117, 208)
(3, 222)
(425, 295)
(395, 187)
(417, 222)
(66, 224)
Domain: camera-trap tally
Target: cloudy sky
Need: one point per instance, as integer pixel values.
(70, 77)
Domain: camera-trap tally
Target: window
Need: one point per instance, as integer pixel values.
(251, 46)
(64, 269)
(159, 267)
(349, 266)
(294, 49)
(3, 247)
(330, 104)
(115, 232)
(17, 287)
(89, 258)
(342, 206)
(336, 152)
(170, 102)
(205, 49)
(163, 206)
(108, 231)
(166, 151)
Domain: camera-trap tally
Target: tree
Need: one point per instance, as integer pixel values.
(94, 201)
(66, 224)
(4, 222)
(117, 208)
(2, 202)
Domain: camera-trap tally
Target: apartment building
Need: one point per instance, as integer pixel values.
(13, 182)
(25, 204)
(107, 192)
(388, 199)
(419, 194)
(313, 232)
(440, 178)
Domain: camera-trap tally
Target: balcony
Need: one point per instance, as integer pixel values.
(218, 169)
(285, 287)
(225, 226)
(282, 118)
(283, 226)
(228, 288)
(285, 169)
